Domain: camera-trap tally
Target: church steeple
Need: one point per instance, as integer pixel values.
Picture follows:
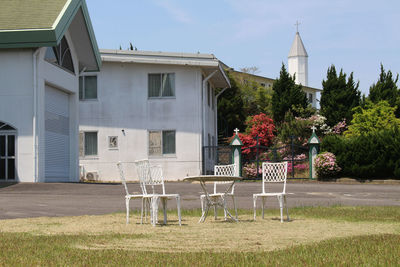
(298, 60)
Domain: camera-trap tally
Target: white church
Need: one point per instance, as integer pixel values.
(298, 67)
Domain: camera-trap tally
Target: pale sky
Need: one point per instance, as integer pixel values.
(356, 35)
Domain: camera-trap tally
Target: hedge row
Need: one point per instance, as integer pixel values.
(375, 155)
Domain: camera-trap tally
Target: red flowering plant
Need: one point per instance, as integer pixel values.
(258, 125)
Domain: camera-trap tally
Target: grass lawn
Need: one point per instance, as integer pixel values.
(316, 236)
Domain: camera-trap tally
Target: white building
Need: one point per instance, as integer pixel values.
(44, 45)
(155, 105)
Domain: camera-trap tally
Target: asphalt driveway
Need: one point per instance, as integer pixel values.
(68, 199)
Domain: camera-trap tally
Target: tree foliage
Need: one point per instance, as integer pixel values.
(231, 112)
(372, 118)
(286, 94)
(339, 96)
(256, 98)
(386, 89)
(373, 155)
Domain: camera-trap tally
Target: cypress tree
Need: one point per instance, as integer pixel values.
(386, 89)
(287, 94)
(339, 97)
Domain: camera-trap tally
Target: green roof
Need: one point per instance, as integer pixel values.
(32, 14)
(42, 23)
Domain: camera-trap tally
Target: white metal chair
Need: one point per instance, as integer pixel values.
(273, 173)
(128, 196)
(152, 176)
(222, 170)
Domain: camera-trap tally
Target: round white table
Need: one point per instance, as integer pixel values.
(203, 179)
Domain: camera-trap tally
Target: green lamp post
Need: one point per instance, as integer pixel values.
(313, 144)
(237, 144)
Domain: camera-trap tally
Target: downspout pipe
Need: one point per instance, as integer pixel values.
(203, 113)
(34, 120)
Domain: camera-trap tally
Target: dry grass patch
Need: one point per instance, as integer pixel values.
(215, 236)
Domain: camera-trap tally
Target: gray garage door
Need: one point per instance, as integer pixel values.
(56, 135)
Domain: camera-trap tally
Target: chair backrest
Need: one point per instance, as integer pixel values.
(274, 172)
(149, 176)
(224, 170)
(122, 176)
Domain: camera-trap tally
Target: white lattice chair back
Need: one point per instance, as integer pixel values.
(274, 173)
(149, 176)
(122, 177)
(224, 170)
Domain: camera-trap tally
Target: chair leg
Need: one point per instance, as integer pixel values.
(280, 198)
(146, 207)
(234, 206)
(254, 205)
(262, 205)
(215, 212)
(141, 212)
(202, 204)
(178, 206)
(225, 214)
(164, 203)
(287, 210)
(154, 211)
(127, 209)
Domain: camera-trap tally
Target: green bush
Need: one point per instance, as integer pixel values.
(373, 155)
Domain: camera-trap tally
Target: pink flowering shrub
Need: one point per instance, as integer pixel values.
(340, 127)
(250, 170)
(298, 165)
(326, 166)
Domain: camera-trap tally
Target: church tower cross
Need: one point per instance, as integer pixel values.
(297, 25)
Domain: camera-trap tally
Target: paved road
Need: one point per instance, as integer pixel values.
(66, 199)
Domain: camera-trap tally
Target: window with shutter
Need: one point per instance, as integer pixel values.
(88, 144)
(162, 142)
(154, 143)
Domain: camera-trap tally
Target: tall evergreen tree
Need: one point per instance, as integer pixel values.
(231, 112)
(339, 97)
(386, 89)
(287, 94)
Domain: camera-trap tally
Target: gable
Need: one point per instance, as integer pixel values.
(43, 23)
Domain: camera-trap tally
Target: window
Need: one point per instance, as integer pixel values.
(87, 87)
(161, 143)
(161, 85)
(87, 144)
(262, 84)
(60, 55)
(7, 152)
(310, 98)
(113, 142)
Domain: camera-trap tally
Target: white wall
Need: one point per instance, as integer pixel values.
(123, 104)
(16, 105)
